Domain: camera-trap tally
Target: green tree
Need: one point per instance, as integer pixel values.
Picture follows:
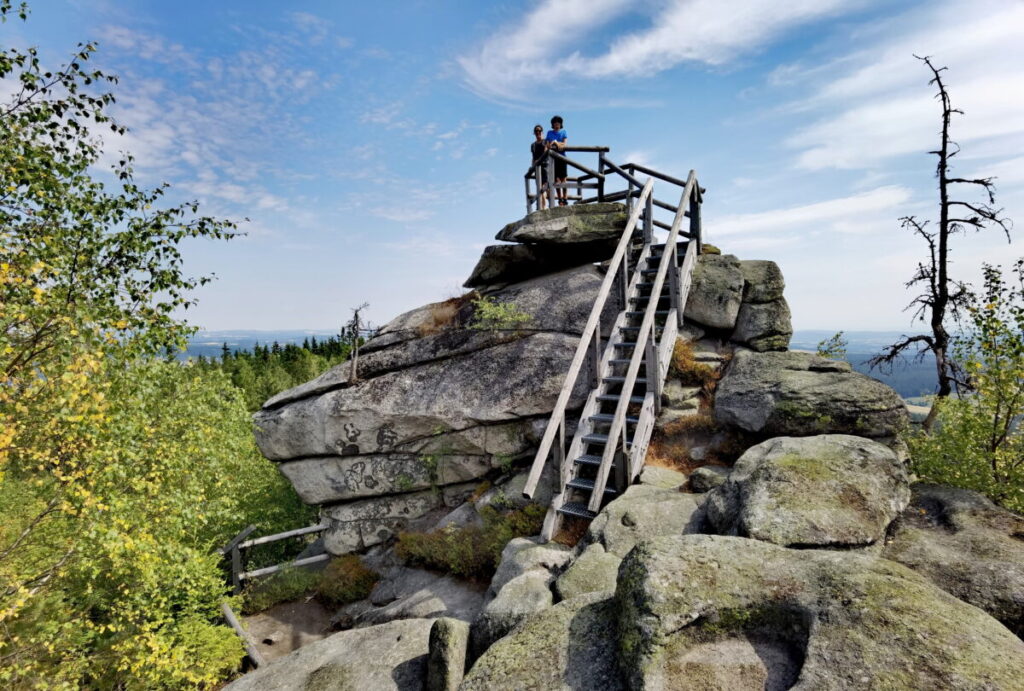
(119, 470)
(978, 442)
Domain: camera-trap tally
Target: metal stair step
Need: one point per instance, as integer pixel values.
(648, 297)
(614, 398)
(622, 380)
(626, 361)
(589, 459)
(624, 344)
(608, 417)
(576, 509)
(595, 438)
(638, 313)
(637, 328)
(586, 485)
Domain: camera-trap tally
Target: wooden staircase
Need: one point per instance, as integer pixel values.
(626, 366)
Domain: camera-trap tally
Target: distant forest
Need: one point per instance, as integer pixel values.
(266, 370)
(288, 358)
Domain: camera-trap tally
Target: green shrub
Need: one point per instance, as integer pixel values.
(977, 441)
(471, 552)
(346, 579)
(489, 315)
(284, 586)
(833, 348)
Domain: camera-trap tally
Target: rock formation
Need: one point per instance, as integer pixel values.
(787, 547)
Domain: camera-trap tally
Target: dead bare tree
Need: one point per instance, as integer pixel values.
(353, 330)
(943, 297)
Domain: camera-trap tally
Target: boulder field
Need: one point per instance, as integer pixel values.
(788, 546)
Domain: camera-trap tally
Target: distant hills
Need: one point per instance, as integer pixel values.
(910, 380)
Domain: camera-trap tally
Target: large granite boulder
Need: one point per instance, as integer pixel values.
(594, 571)
(764, 326)
(716, 292)
(702, 611)
(568, 646)
(520, 587)
(569, 225)
(803, 394)
(643, 512)
(449, 639)
(511, 263)
(389, 656)
(762, 281)
(827, 491)
(967, 546)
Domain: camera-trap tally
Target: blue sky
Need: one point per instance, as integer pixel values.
(376, 148)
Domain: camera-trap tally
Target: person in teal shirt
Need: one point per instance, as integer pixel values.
(556, 141)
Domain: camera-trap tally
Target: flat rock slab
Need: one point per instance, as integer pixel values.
(830, 490)
(569, 225)
(389, 656)
(511, 263)
(803, 394)
(967, 546)
(400, 410)
(406, 593)
(844, 620)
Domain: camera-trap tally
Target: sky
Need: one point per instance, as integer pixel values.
(370, 151)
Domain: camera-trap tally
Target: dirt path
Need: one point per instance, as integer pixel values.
(289, 626)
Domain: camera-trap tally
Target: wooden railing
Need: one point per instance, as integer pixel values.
(236, 549)
(640, 201)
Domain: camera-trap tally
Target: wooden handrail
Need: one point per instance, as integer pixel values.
(558, 412)
(639, 350)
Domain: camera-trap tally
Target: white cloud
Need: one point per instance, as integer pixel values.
(878, 105)
(540, 48)
(844, 214)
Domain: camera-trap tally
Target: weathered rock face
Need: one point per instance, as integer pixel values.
(569, 225)
(762, 281)
(802, 394)
(764, 327)
(511, 263)
(568, 646)
(803, 619)
(829, 490)
(716, 292)
(434, 405)
(967, 546)
(389, 656)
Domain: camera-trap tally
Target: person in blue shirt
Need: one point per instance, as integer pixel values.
(556, 141)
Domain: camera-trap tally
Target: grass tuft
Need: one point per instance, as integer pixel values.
(471, 551)
(687, 369)
(346, 579)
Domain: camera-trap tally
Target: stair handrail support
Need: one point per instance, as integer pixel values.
(558, 412)
(640, 348)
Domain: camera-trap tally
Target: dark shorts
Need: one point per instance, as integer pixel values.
(561, 169)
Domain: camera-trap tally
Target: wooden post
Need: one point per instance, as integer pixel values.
(695, 227)
(600, 180)
(560, 449)
(595, 359)
(551, 182)
(526, 181)
(673, 280)
(653, 370)
(247, 641)
(649, 222)
(236, 570)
